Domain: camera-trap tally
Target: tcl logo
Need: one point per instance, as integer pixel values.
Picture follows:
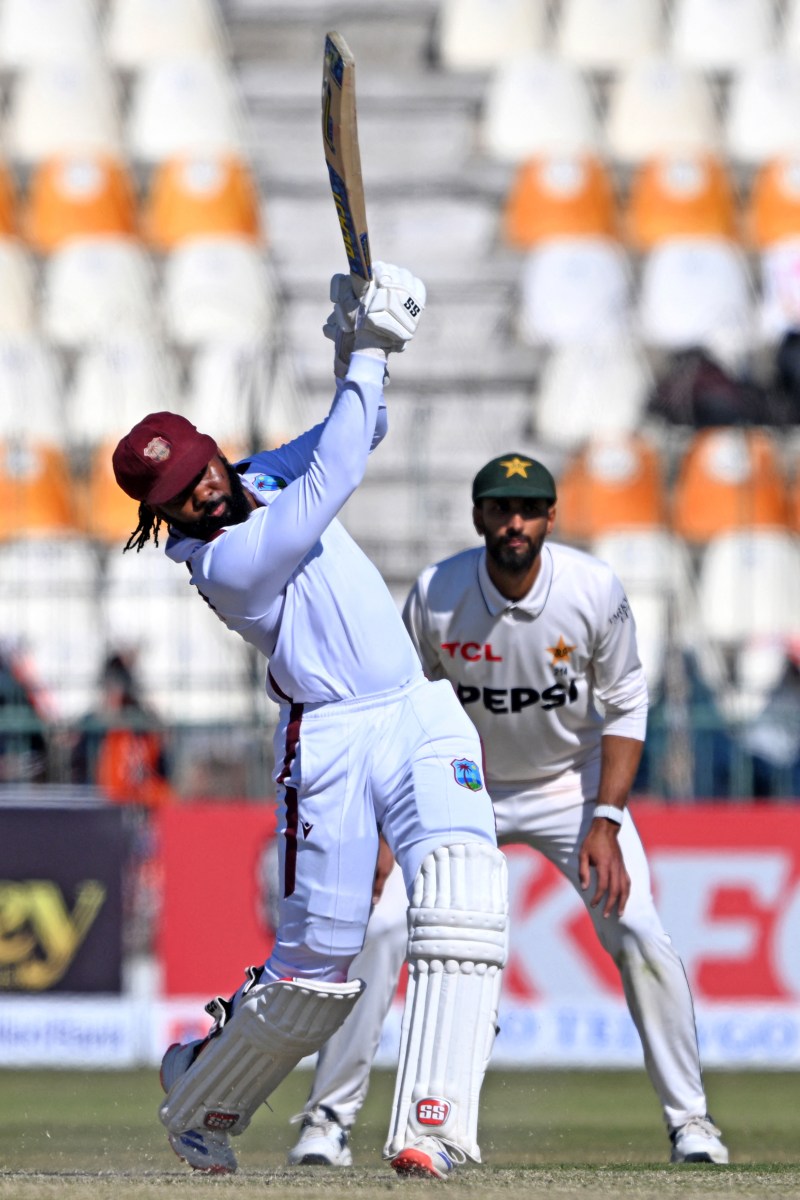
(432, 1111)
(471, 651)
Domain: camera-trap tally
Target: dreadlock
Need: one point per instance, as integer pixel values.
(149, 522)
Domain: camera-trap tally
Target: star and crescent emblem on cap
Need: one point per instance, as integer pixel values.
(516, 466)
(158, 449)
(560, 652)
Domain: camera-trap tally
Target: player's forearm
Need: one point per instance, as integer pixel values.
(619, 762)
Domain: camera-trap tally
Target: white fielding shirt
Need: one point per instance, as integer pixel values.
(542, 678)
(290, 579)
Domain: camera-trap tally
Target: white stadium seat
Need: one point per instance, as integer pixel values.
(477, 35)
(537, 105)
(62, 108)
(183, 106)
(229, 394)
(697, 291)
(779, 296)
(115, 384)
(574, 290)
(49, 31)
(142, 32)
(17, 288)
(31, 408)
(720, 35)
(763, 117)
(591, 391)
(96, 289)
(217, 289)
(657, 106)
(607, 35)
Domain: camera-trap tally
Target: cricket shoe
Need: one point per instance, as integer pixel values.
(205, 1150)
(698, 1141)
(427, 1158)
(322, 1142)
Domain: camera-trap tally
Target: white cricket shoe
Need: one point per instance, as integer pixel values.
(322, 1142)
(205, 1150)
(427, 1158)
(698, 1141)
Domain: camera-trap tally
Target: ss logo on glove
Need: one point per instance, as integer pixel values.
(411, 307)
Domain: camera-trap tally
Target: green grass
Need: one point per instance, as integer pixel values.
(70, 1135)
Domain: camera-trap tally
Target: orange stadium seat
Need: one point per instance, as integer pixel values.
(614, 483)
(773, 209)
(77, 196)
(35, 490)
(553, 197)
(107, 514)
(193, 197)
(679, 197)
(729, 479)
(8, 203)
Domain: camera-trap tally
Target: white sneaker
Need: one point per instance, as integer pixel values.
(322, 1142)
(698, 1141)
(204, 1150)
(427, 1157)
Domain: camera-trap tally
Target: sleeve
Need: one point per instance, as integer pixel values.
(619, 679)
(248, 565)
(414, 619)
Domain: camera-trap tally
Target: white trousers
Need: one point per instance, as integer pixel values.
(653, 979)
(406, 763)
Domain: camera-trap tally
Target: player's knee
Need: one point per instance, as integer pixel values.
(459, 906)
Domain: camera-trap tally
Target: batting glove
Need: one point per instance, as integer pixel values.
(390, 309)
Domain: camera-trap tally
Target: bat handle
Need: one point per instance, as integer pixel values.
(360, 284)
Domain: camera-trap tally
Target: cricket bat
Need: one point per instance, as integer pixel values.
(340, 140)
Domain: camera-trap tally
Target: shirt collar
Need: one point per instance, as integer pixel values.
(532, 603)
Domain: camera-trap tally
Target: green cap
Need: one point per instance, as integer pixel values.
(514, 475)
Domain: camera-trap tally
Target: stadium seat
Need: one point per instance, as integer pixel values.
(193, 669)
(607, 35)
(114, 385)
(183, 107)
(73, 196)
(35, 493)
(49, 590)
(656, 571)
(199, 197)
(9, 224)
(478, 35)
(62, 108)
(106, 514)
(97, 289)
(720, 35)
(216, 289)
(658, 107)
(611, 484)
(729, 479)
(559, 197)
(17, 289)
(696, 292)
(773, 207)
(229, 394)
(591, 391)
(763, 111)
(574, 290)
(44, 31)
(537, 105)
(679, 197)
(749, 608)
(142, 32)
(789, 39)
(779, 299)
(31, 407)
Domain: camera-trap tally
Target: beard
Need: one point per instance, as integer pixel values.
(236, 510)
(517, 560)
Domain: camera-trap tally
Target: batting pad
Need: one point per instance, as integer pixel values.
(458, 922)
(273, 1027)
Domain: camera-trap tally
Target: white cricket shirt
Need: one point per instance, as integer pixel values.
(290, 579)
(531, 673)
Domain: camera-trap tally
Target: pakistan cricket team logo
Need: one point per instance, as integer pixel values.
(467, 774)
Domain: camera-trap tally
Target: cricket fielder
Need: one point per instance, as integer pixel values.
(539, 644)
(365, 746)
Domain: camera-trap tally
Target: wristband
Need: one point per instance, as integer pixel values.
(610, 812)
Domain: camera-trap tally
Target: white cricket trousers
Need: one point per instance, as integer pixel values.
(407, 763)
(653, 978)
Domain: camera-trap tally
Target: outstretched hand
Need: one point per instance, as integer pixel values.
(385, 316)
(600, 853)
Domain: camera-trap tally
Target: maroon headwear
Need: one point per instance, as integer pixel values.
(160, 457)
